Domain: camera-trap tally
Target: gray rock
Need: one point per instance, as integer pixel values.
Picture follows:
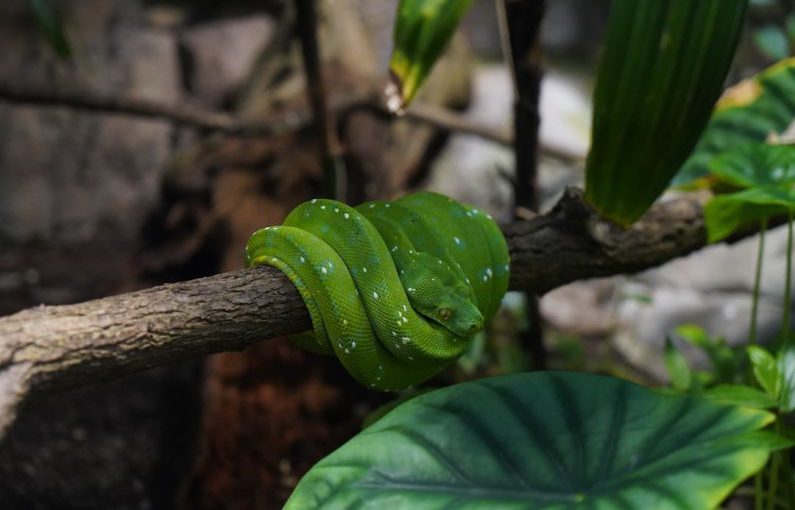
(63, 172)
(220, 55)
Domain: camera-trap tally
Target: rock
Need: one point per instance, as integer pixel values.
(478, 171)
(712, 289)
(65, 173)
(220, 54)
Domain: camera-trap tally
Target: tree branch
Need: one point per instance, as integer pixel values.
(54, 348)
(189, 116)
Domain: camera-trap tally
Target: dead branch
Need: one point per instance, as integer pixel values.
(190, 116)
(54, 348)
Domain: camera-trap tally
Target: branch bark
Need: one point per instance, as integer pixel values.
(54, 348)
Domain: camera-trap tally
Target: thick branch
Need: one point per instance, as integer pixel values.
(53, 348)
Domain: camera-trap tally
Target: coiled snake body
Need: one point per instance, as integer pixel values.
(395, 289)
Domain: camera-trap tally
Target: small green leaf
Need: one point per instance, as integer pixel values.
(740, 395)
(725, 360)
(678, 370)
(786, 366)
(544, 440)
(423, 29)
(724, 214)
(773, 42)
(661, 73)
(766, 370)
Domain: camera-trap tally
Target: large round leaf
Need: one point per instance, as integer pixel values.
(543, 441)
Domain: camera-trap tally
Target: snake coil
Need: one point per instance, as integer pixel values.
(396, 290)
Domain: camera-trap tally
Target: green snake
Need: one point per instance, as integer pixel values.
(396, 290)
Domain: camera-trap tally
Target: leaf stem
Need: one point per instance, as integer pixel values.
(773, 483)
(787, 286)
(758, 491)
(757, 281)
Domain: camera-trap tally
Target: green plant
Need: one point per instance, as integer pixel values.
(555, 440)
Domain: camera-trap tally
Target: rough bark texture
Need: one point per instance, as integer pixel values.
(54, 348)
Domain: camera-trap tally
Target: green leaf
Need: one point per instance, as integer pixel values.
(756, 164)
(724, 214)
(544, 440)
(51, 26)
(740, 395)
(772, 41)
(786, 366)
(750, 111)
(766, 370)
(661, 73)
(423, 29)
(725, 360)
(676, 364)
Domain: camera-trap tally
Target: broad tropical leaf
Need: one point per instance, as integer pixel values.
(660, 76)
(755, 164)
(724, 214)
(544, 441)
(751, 111)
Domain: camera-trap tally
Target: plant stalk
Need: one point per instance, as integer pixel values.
(757, 282)
(787, 287)
(333, 165)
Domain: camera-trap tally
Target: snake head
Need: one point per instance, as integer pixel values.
(437, 293)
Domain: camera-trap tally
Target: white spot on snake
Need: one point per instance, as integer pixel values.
(322, 206)
(344, 322)
(485, 278)
(353, 345)
(387, 205)
(314, 200)
(380, 367)
(394, 333)
(489, 216)
(323, 270)
(364, 269)
(405, 308)
(375, 295)
(302, 259)
(336, 209)
(371, 206)
(394, 248)
(347, 351)
(468, 280)
(457, 241)
(410, 289)
(405, 319)
(475, 211)
(405, 339)
(489, 271)
(347, 216)
(439, 261)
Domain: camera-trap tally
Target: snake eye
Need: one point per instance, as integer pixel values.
(445, 313)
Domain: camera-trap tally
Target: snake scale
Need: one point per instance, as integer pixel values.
(396, 290)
